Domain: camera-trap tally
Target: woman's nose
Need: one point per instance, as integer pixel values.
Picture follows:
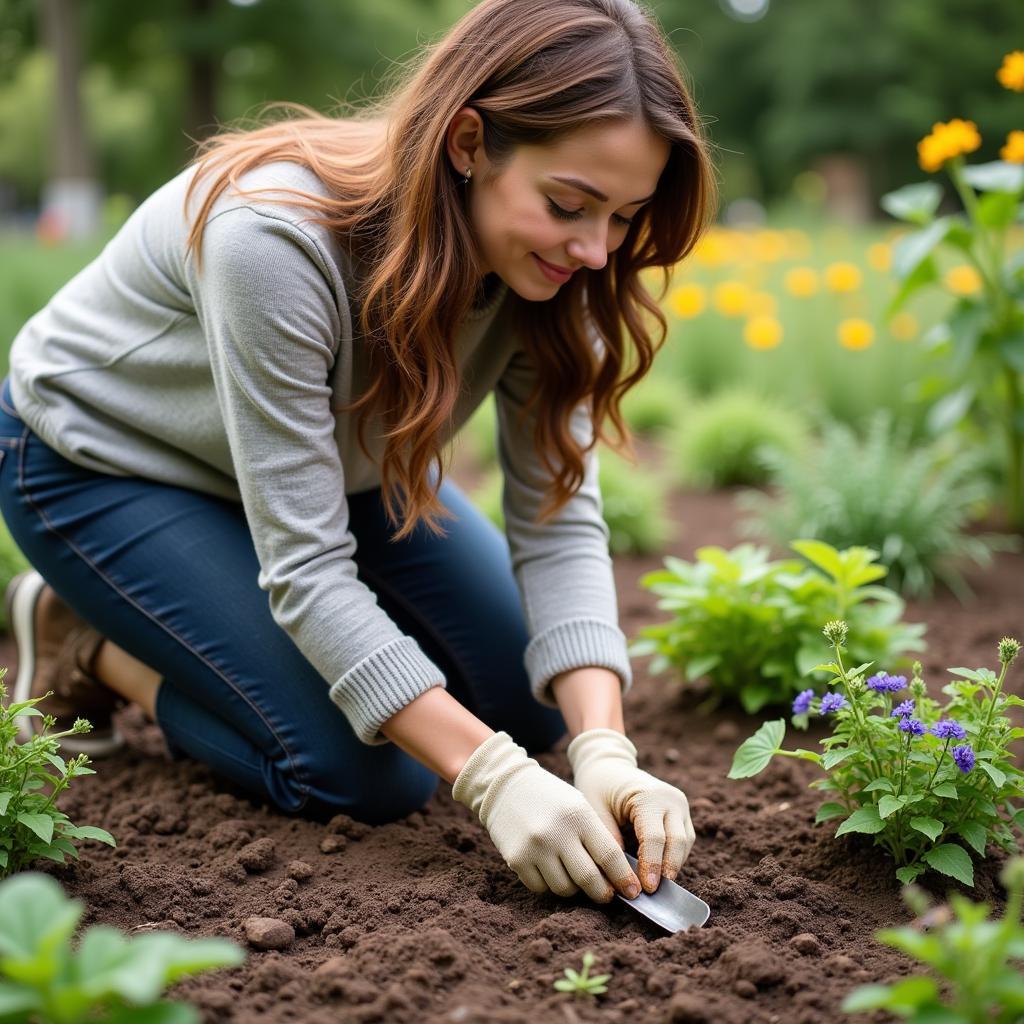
(591, 250)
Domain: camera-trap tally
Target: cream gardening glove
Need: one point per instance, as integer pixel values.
(544, 828)
(605, 772)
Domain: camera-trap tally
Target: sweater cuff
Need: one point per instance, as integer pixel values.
(382, 684)
(575, 643)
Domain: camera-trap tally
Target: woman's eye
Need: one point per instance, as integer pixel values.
(563, 214)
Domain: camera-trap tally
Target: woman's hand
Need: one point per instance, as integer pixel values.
(605, 772)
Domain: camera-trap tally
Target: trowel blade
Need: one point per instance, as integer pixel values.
(670, 905)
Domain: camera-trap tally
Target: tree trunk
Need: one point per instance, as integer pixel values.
(202, 85)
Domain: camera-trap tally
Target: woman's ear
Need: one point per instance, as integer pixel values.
(464, 140)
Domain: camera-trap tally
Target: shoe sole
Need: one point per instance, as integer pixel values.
(20, 601)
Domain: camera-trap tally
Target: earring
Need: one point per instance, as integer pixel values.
(469, 174)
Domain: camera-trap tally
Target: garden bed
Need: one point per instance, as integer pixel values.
(421, 921)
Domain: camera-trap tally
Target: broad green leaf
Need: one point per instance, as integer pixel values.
(35, 919)
(997, 777)
(875, 785)
(5, 799)
(997, 176)
(754, 753)
(18, 999)
(40, 824)
(947, 790)
(949, 410)
(864, 820)
(912, 249)
(908, 874)
(975, 835)
(867, 997)
(923, 274)
(823, 555)
(88, 832)
(931, 827)
(697, 667)
(997, 209)
(833, 757)
(914, 203)
(952, 860)
(827, 811)
(889, 805)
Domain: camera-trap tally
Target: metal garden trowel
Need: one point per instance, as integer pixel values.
(670, 905)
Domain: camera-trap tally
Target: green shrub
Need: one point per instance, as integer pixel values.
(31, 826)
(911, 504)
(753, 627)
(977, 960)
(656, 404)
(723, 439)
(106, 978)
(633, 500)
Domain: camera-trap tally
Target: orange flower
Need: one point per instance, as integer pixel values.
(856, 334)
(1011, 74)
(947, 140)
(1013, 151)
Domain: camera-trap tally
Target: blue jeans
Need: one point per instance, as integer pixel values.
(169, 574)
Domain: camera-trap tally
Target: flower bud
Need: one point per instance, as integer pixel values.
(917, 688)
(82, 725)
(1008, 649)
(836, 632)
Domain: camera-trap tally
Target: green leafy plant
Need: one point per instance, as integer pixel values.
(752, 626)
(924, 779)
(107, 978)
(911, 503)
(31, 825)
(720, 441)
(981, 339)
(633, 504)
(978, 960)
(656, 404)
(581, 983)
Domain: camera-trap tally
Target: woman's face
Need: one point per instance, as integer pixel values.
(531, 221)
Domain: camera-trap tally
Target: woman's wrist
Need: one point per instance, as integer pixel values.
(589, 698)
(438, 731)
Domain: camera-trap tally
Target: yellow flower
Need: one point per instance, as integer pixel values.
(856, 334)
(842, 277)
(801, 282)
(1013, 151)
(1011, 74)
(715, 248)
(762, 304)
(903, 327)
(880, 257)
(762, 332)
(947, 140)
(731, 298)
(688, 300)
(963, 280)
(768, 246)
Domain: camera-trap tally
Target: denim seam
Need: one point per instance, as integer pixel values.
(184, 643)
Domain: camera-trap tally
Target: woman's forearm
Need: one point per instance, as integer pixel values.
(438, 731)
(589, 698)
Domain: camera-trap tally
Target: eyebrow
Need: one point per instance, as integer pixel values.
(584, 186)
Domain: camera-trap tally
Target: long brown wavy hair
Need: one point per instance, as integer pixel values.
(535, 72)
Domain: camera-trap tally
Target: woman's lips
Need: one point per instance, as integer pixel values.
(553, 273)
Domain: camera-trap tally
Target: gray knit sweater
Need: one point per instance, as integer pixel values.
(223, 380)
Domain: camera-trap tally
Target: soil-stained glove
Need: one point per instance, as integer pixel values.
(544, 828)
(605, 772)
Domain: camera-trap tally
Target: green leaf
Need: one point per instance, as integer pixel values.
(878, 784)
(997, 176)
(833, 757)
(88, 832)
(908, 874)
(35, 919)
(867, 997)
(864, 820)
(952, 860)
(949, 410)
(827, 811)
(754, 753)
(930, 827)
(947, 790)
(40, 824)
(997, 209)
(5, 799)
(889, 805)
(912, 249)
(975, 835)
(18, 999)
(914, 203)
(755, 695)
(997, 777)
(156, 1013)
(697, 667)
(818, 553)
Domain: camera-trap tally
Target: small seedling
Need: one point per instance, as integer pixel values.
(582, 984)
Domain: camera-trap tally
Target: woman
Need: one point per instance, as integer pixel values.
(248, 393)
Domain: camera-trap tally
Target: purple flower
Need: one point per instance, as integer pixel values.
(885, 683)
(803, 702)
(964, 757)
(912, 725)
(833, 702)
(947, 729)
(902, 710)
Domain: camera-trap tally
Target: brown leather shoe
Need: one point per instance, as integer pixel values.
(56, 650)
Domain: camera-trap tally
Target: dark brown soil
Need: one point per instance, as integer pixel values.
(421, 921)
